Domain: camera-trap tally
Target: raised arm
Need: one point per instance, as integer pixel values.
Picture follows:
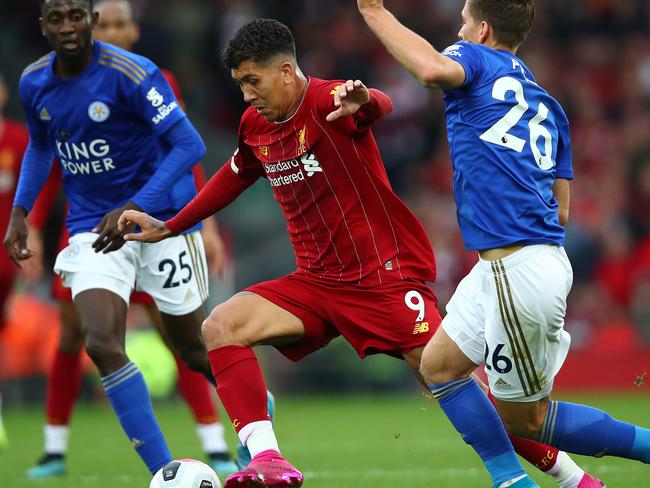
(365, 104)
(428, 66)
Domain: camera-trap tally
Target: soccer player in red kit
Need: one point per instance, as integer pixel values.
(14, 138)
(363, 258)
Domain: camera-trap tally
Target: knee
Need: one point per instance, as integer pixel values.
(70, 340)
(526, 422)
(435, 369)
(220, 330)
(103, 350)
(522, 427)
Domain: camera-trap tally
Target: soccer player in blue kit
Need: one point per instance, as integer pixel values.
(111, 119)
(510, 147)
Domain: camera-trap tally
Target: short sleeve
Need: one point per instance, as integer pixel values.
(469, 57)
(155, 100)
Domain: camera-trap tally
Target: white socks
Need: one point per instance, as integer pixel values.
(212, 438)
(258, 437)
(56, 438)
(565, 471)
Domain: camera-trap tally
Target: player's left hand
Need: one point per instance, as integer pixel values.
(110, 237)
(349, 97)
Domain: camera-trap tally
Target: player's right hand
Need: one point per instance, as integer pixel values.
(34, 268)
(15, 240)
(152, 230)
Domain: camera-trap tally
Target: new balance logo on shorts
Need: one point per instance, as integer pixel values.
(421, 328)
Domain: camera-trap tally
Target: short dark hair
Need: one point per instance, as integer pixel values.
(510, 19)
(259, 41)
(42, 4)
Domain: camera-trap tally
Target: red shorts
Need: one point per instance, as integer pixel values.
(393, 318)
(61, 293)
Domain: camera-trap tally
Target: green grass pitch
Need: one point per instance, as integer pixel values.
(338, 442)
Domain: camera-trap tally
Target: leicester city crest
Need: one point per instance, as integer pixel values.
(98, 111)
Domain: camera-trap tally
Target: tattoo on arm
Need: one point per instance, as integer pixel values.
(156, 223)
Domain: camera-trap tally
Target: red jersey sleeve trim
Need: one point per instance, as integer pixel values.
(379, 106)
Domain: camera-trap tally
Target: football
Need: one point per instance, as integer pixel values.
(185, 473)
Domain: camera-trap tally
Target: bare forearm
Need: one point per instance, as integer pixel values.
(562, 193)
(411, 50)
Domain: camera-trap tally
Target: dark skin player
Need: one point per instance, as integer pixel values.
(68, 26)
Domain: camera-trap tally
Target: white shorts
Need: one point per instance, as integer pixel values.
(173, 271)
(509, 314)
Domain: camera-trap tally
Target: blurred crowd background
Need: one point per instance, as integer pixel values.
(592, 55)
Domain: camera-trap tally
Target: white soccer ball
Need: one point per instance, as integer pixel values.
(185, 473)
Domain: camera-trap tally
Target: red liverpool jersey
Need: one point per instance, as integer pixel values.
(13, 143)
(345, 222)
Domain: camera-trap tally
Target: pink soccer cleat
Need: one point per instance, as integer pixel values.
(267, 470)
(589, 481)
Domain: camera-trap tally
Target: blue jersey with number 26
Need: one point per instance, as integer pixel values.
(509, 141)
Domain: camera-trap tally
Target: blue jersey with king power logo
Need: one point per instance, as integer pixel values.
(105, 128)
(509, 141)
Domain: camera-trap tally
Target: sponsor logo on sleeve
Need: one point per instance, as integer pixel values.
(155, 97)
(158, 102)
(97, 111)
(453, 50)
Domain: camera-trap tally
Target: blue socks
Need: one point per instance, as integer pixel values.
(129, 397)
(586, 430)
(475, 418)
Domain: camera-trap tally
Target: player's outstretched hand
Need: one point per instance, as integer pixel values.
(15, 240)
(110, 237)
(348, 98)
(152, 230)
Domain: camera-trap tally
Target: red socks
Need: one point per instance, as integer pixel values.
(540, 455)
(196, 391)
(240, 384)
(63, 386)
